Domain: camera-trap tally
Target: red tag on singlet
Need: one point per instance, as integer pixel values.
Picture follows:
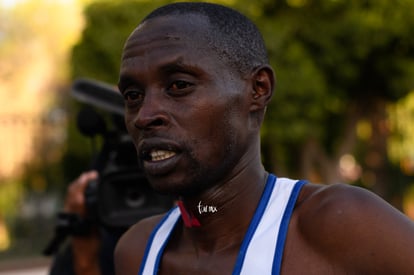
(188, 218)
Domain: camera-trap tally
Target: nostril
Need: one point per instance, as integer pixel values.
(157, 122)
(150, 123)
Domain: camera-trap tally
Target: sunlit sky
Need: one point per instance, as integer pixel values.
(12, 3)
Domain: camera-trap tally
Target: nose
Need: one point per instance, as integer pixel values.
(151, 114)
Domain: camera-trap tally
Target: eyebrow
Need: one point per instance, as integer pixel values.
(125, 81)
(178, 65)
(175, 66)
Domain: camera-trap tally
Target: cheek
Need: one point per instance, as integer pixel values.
(129, 123)
(217, 133)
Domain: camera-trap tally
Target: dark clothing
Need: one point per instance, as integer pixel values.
(63, 261)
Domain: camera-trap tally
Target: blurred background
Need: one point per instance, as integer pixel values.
(343, 110)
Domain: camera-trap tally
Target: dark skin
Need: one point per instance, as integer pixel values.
(203, 121)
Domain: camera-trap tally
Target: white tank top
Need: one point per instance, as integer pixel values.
(262, 248)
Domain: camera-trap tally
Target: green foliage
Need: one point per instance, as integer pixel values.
(332, 58)
(401, 147)
(10, 193)
(109, 23)
(330, 53)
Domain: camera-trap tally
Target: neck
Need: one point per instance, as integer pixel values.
(224, 212)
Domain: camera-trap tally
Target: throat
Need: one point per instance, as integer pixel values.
(219, 220)
(208, 236)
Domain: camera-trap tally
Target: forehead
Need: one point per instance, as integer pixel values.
(170, 44)
(167, 31)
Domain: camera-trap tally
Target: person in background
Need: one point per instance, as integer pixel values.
(85, 254)
(196, 83)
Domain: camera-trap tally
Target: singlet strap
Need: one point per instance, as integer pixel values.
(269, 227)
(157, 242)
(280, 245)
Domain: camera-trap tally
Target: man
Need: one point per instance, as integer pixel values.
(196, 83)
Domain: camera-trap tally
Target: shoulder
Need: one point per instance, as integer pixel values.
(341, 204)
(354, 227)
(338, 200)
(130, 249)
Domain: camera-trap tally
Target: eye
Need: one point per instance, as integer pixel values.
(133, 98)
(180, 87)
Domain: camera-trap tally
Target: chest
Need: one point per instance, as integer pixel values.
(190, 264)
(260, 252)
(300, 257)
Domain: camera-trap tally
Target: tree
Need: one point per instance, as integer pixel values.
(108, 25)
(339, 64)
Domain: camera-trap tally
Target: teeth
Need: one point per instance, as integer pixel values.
(161, 155)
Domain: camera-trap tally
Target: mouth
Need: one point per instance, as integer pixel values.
(159, 156)
(159, 161)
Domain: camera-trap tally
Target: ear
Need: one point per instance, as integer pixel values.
(263, 81)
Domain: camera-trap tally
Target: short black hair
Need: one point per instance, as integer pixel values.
(233, 36)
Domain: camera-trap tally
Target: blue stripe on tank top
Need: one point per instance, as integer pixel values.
(255, 221)
(277, 260)
(151, 239)
(161, 252)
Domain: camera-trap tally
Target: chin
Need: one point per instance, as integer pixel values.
(177, 188)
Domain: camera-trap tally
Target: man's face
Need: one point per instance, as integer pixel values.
(187, 114)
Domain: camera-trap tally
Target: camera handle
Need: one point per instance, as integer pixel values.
(67, 224)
